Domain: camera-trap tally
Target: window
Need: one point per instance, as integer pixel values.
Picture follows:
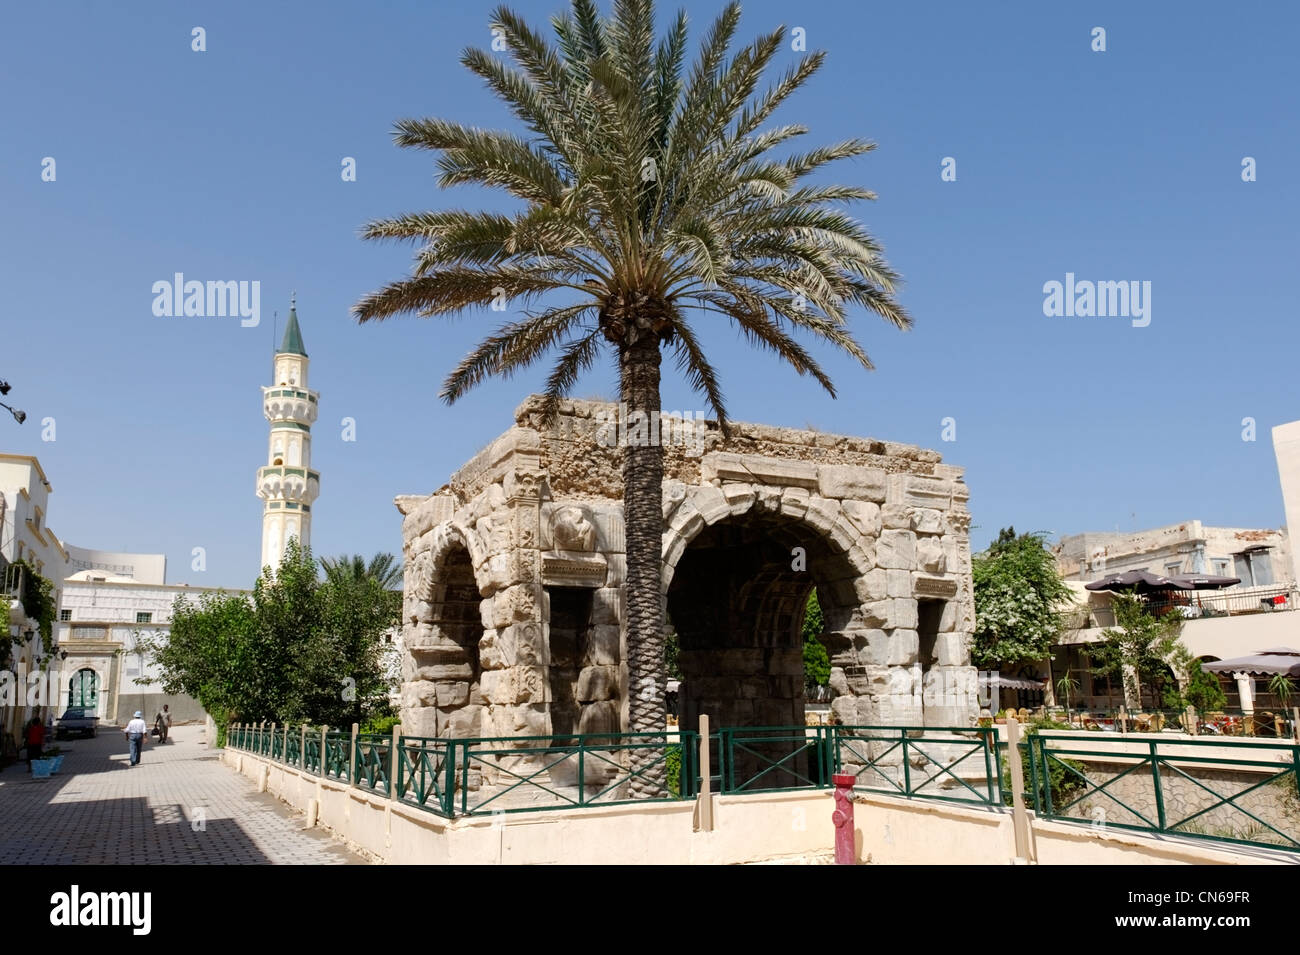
(65, 615)
(1254, 567)
(1221, 568)
(143, 617)
(1173, 570)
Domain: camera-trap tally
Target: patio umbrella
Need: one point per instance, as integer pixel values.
(1140, 580)
(1205, 581)
(1282, 660)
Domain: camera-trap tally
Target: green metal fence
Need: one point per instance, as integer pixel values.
(337, 760)
(774, 758)
(426, 773)
(948, 763)
(529, 774)
(311, 751)
(373, 761)
(1246, 793)
(1237, 791)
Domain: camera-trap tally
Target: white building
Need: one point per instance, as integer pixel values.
(25, 536)
(101, 622)
(286, 483)
(103, 601)
(1286, 446)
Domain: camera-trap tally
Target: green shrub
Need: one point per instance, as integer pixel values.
(673, 764)
(379, 724)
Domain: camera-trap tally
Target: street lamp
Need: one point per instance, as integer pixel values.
(19, 416)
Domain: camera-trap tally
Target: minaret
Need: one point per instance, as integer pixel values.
(287, 485)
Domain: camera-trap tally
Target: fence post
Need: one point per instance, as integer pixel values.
(704, 801)
(907, 770)
(1191, 720)
(302, 749)
(352, 758)
(324, 731)
(1155, 779)
(395, 761)
(1295, 722)
(1019, 817)
(284, 746)
(270, 747)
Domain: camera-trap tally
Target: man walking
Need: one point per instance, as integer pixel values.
(136, 731)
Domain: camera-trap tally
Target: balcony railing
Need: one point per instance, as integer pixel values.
(1195, 605)
(1232, 603)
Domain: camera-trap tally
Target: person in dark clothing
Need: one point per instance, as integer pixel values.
(35, 740)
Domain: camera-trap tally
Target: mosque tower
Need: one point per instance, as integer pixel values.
(287, 485)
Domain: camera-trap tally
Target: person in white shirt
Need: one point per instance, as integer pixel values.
(136, 732)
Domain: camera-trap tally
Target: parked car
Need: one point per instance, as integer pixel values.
(76, 719)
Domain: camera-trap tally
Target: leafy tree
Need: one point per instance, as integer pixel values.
(1139, 649)
(297, 650)
(216, 654)
(816, 659)
(1201, 690)
(650, 201)
(1019, 594)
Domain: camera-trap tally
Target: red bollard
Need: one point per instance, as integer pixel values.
(845, 849)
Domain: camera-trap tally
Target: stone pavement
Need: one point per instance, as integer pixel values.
(179, 805)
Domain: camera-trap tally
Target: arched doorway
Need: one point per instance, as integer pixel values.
(451, 662)
(83, 690)
(737, 600)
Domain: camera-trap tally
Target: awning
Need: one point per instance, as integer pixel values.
(1010, 683)
(1281, 660)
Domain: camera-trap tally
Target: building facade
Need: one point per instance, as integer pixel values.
(103, 622)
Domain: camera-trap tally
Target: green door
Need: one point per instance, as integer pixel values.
(84, 690)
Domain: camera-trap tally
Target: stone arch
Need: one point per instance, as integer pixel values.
(736, 582)
(446, 584)
(443, 540)
(819, 520)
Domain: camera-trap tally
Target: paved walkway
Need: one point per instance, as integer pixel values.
(179, 805)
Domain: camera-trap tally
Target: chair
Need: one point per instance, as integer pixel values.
(1023, 715)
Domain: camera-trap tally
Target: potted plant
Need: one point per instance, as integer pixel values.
(55, 754)
(1281, 686)
(1066, 686)
(1001, 717)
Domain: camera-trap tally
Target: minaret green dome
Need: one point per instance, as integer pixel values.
(292, 344)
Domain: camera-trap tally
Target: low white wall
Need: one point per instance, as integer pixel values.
(750, 828)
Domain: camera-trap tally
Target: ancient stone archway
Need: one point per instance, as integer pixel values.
(736, 600)
(536, 518)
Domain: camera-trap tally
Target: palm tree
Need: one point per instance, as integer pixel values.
(383, 569)
(651, 199)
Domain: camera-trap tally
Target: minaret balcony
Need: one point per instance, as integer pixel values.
(289, 404)
(285, 483)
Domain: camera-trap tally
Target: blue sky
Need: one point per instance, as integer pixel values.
(225, 164)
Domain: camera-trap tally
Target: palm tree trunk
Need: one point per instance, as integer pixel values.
(643, 472)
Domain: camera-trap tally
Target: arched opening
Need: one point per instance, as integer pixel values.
(453, 661)
(83, 690)
(737, 601)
